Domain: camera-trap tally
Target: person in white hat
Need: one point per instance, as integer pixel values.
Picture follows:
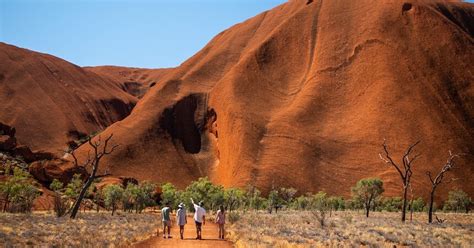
(181, 218)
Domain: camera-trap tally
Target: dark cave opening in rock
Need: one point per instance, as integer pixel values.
(188, 120)
(179, 122)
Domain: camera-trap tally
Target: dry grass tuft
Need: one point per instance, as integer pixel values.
(88, 230)
(301, 229)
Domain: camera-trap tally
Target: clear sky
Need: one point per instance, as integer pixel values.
(138, 33)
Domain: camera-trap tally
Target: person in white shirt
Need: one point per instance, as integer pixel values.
(199, 217)
(181, 218)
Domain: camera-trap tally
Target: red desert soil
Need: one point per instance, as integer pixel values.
(51, 101)
(209, 235)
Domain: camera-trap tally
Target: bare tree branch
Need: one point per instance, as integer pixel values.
(94, 162)
(389, 160)
(429, 176)
(438, 180)
(406, 173)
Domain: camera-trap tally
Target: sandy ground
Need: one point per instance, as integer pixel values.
(351, 229)
(209, 237)
(42, 229)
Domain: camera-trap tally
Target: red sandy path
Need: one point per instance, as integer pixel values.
(209, 234)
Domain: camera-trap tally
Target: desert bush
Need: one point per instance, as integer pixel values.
(19, 192)
(367, 191)
(98, 198)
(73, 188)
(129, 197)
(113, 195)
(392, 204)
(252, 198)
(60, 202)
(336, 203)
(56, 185)
(274, 200)
(302, 202)
(418, 205)
(352, 204)
(260, 203)
(233, 217)
(203, 190)
(140, 196)
(6, 167)
(287, 196)
(319, 207)
(458, 200)
(233, 198)
(145, 196)
(169, 195)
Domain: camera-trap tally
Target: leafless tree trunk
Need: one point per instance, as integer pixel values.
(405, 171)
(438, 180)
(94, 162)
(7, 200)
(411, 203)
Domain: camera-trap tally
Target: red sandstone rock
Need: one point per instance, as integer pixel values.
(305, 95)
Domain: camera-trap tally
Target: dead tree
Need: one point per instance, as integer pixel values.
(438, 180)
(405, 171)
(93, 162)
(411, 203)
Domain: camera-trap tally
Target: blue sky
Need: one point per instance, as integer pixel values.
(139, 33)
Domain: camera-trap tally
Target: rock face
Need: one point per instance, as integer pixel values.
(9, 144)
(304, 95)
(46, 171)
(136, 81)
(46, 99)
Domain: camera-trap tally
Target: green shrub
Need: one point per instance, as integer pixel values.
(73, 188)
(274, 200)
(287, 196)
(60, 202)
(302, 202)
(458, 200)
(320, 206)
(366, 192)
(145, 196)
(252, 199)
(19, 191)
(391, 204)
(113, 195)
(233, 198)
(169, 195)
(56, 185)
(337, 203)
(203, 190)
(418, 205)
(353, 204)
(129, 197)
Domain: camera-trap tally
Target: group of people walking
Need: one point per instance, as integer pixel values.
(199, 219)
